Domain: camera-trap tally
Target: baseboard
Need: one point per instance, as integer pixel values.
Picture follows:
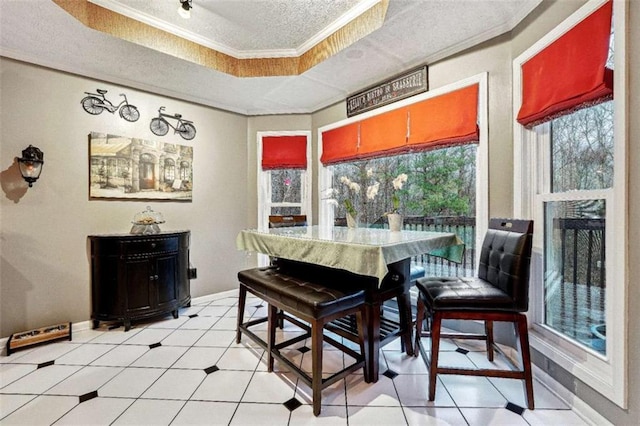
(581, 408)
(87, 325)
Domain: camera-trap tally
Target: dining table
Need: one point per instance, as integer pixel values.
(378, 259)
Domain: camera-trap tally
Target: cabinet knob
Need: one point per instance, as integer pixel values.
(153, 245)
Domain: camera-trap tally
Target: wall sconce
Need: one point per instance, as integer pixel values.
(185, 9)
(31, 164)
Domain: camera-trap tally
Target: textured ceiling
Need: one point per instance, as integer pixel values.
(246, 28)
(415, 32)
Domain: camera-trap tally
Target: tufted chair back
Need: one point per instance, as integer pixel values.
(505, 258)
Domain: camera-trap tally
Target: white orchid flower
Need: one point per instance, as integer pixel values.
(372, 190)
(400, 180)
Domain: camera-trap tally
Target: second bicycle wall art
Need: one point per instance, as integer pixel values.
(96, 103)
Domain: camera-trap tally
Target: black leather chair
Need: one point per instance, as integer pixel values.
(500, 292)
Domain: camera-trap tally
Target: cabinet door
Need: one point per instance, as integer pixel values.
(165, 280)
(138, 290)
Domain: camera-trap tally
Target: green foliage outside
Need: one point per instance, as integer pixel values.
(440, 183)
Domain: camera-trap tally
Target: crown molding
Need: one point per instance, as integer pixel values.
(146, 31)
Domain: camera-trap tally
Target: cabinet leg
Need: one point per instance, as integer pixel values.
(127, 325)
(96, 324)
(175, 314)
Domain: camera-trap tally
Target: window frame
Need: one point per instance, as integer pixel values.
(264, 183)
(605, 374)
(326, 211)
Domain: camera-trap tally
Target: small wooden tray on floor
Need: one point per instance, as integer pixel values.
(38, 336)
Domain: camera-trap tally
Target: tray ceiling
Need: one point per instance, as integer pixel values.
(260, 57)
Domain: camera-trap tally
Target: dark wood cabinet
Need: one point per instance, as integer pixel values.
(139, 276)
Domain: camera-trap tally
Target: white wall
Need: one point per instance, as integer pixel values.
(44, 276)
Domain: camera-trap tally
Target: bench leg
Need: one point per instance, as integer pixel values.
(272, 323)
(316, 365)
(242, 299)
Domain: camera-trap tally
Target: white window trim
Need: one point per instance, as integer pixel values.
(606, 375)
(326, 211)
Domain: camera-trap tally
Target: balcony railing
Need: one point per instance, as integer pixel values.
(575, 284)
(463, 226)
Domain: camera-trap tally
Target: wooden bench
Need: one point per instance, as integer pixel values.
(310, 304)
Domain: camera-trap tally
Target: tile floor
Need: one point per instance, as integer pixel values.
(190, 371)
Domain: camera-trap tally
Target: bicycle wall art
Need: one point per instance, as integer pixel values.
(124, 168)
(160, 125)
(95, 103)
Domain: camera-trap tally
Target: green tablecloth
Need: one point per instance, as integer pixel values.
(363, 251)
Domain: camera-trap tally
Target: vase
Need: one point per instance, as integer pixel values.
(395, 222)
(352, 221)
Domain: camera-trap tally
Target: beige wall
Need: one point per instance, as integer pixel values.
(44, 276)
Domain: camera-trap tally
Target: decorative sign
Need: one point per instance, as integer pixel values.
(400, 87)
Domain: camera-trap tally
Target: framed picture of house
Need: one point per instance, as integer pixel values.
(124, 168)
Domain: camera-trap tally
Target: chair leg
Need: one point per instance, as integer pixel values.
(316, 365)
(272, 323)
(488, 328)
(523, 340)
(419, 321)
(242, 299)
(435, 347)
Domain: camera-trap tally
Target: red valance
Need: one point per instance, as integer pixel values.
(570, 73)
(449, 119)
(284, 152)
(340, 144)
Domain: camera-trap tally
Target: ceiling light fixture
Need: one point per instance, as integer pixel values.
(185, 9)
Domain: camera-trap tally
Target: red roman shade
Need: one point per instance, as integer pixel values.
(570, 73)
(449, 119)
(340, 144)
(446, 120)
(284, 152)
(383, 134)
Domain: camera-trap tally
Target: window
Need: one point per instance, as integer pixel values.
(442, 185)
(571, 172)
(283, 191)
(439, 195)
(185, 171)
(169, 170)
